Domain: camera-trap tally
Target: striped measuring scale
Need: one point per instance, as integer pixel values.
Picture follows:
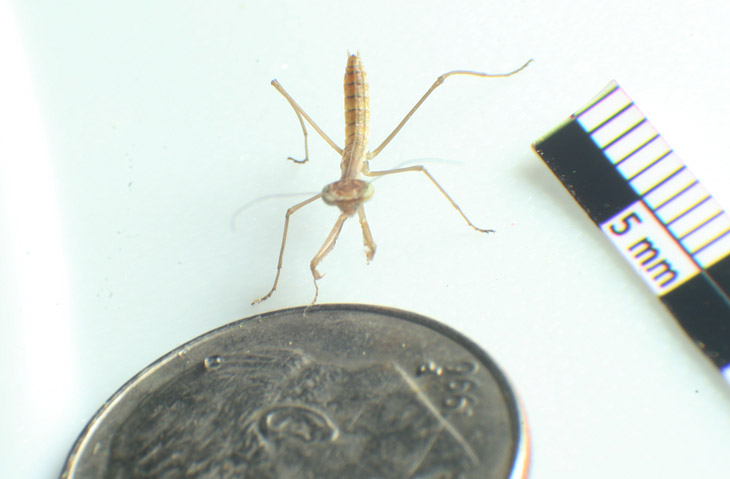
(653, 209)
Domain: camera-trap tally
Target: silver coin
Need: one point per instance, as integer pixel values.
(328, 391)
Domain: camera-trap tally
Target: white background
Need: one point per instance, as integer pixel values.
(131, 133)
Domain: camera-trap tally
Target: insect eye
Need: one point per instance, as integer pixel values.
(368, 192)
(328, 195)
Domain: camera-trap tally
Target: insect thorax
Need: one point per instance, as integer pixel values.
(347, 194)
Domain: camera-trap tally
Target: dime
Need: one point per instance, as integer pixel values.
(327, 391)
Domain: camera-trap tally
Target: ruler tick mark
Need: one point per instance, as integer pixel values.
(638, 149)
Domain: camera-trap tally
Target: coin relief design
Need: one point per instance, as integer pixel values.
(347, 391)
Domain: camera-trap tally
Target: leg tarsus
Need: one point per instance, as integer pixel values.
(316, 291)
(300, 162)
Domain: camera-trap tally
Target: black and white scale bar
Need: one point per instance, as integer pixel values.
(653, 209)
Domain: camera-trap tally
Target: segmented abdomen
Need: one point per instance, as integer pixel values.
(357, 117)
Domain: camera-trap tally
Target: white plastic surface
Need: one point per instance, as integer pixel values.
(131, 132)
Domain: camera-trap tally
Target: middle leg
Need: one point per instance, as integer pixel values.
(423, 170)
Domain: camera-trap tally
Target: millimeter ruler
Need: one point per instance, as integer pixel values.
(652, 208)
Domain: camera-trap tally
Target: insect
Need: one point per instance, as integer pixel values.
(350, 192)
